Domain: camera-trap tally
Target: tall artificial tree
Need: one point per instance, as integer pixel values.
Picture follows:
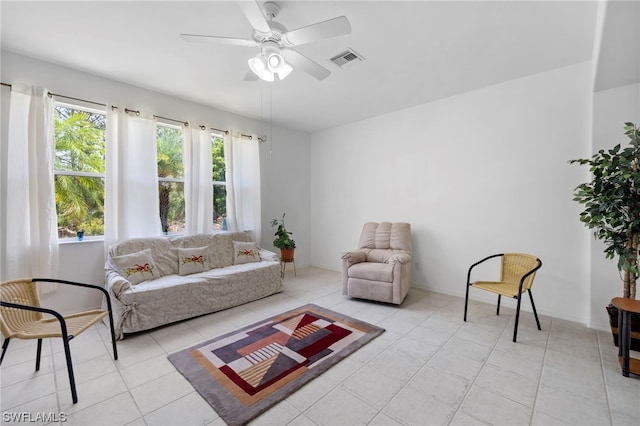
(612, 204)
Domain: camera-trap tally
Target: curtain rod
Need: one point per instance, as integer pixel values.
(155, 117)
(185, 123)
(78, 99)
(127, 110)
(51, 94)
(226, 132)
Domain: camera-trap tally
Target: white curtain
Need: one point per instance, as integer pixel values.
(30, 242)
(198, 187)
(242, 163)
(131, 205)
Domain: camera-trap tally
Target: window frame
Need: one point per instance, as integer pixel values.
(215, 183)
(166, 123)
(90, 109)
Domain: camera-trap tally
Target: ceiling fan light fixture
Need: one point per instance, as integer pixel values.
(258, 65)
(285, 70)
(275, 60)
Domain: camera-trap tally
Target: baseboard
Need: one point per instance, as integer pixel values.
(486, 297)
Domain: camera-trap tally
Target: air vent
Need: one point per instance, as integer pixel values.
(349, 56)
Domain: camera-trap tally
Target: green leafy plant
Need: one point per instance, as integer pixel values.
(283, 239)
(612, 204)
(80, 147)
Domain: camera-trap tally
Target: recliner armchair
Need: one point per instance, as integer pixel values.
(381, 267)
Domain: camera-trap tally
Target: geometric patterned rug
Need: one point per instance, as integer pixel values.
(243, 373)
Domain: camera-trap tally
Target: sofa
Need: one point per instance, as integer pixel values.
(380, 269)
(160, 280)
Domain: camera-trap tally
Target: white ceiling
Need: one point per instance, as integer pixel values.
(415, 52)
(619, 53)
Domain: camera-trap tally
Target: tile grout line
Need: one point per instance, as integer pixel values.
(466, 393)
(544, 361)
(119, 369)
(406, 384)
(55, 376)
(604, 379)
(107, 346)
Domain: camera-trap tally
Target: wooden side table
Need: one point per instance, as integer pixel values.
(626, 308)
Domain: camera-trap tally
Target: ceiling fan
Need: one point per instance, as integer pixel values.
(277, 56)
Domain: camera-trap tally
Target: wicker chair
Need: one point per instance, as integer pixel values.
(517, 273)
(22, 318)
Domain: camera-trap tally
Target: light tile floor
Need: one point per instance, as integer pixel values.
(428, 368)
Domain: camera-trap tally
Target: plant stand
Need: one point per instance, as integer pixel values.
(626, 309)
(283, 267)
(635, 328)
(287, 256)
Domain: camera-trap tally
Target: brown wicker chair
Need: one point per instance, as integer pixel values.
(517, 272)
(22, 318)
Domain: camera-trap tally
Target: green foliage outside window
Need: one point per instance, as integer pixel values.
(171, 194)
(80, 147)
(219, 191)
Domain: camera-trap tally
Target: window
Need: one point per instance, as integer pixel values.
(79, 169)
(79, 173)
(219, 184)
(170, 178)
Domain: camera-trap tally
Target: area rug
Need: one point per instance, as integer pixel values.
(245, 372)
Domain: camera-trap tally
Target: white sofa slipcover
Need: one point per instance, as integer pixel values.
(173, 297)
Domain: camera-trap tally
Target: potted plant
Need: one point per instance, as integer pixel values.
(283, 240)
(612, 209)
(79, 230)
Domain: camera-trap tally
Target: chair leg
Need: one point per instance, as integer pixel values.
(38, 353)
(535, 313)
(113, 337)
(72, 380)
(112, 329)
(515, 327)
(498, 308)
(466, 302)
(5, 345)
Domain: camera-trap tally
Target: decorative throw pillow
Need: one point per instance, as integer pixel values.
(136, 267)
(245, 252)
(193, 260)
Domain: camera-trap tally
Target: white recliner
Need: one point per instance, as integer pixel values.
(381, 267)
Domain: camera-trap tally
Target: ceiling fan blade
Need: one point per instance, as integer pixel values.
(298, 60)
(251, 76)
(198, 38)
(326, 29)
(254, 15)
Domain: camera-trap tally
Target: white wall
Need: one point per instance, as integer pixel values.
(480, 173)
(611, 109)
(284, 160)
